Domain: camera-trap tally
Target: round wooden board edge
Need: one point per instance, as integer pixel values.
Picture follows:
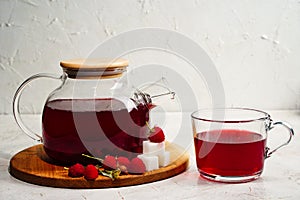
(175, 168)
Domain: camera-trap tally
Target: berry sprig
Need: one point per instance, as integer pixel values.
(135, 166)
(111, 167)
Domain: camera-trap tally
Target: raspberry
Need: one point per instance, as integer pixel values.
(123, 161)
(137, 166)
(110, 162)
(157, 135)
(76, 170)
(91, 172)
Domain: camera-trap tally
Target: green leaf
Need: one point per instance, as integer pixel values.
(116, 173)
(92, 157)
(112, 174)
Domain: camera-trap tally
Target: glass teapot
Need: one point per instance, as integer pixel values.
(92, 112)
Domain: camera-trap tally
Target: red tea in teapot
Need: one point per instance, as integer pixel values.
(97, 126)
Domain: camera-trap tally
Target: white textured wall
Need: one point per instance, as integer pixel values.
(255, 44)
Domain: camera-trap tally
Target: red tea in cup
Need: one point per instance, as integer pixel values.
(230, 144)
(230, 152)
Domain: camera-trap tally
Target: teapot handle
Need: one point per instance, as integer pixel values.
(16, 103)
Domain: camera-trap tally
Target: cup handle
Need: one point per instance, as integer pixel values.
(16, 103)
(291, 132)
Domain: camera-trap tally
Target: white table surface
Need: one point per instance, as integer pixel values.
(280, 179)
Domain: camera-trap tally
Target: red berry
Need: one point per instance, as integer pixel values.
(157, 135)
(123, 161)
(110, 162)
(76, 170)
(91, 172)
(136, 166)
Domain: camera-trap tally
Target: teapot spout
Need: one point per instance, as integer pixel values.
(163, 94)
(153, 94)
(147, 99)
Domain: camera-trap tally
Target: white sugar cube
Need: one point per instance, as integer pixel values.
(152, 148)
(164, 159)
(151, 162)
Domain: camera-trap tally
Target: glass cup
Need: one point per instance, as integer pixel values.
(230, 143)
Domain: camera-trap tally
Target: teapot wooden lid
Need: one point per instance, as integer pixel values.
(94, 67)
(94, 63)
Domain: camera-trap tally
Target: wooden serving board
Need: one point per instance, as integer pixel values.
(30, 165)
